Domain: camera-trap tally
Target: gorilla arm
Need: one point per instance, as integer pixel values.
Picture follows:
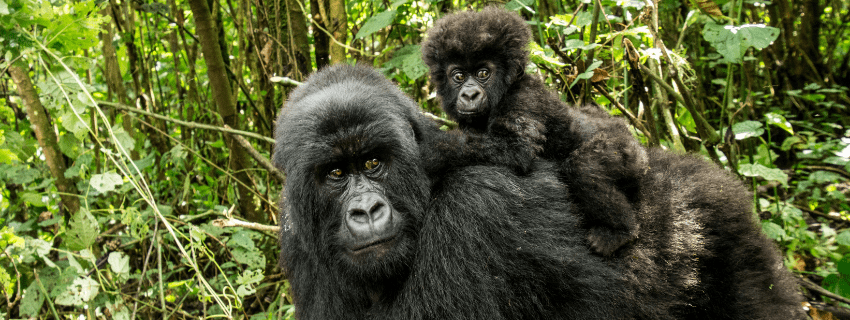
(513, 142)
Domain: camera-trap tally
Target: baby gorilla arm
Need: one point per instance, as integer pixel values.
(514, 143)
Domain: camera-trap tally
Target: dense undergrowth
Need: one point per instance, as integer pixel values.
(124, 213)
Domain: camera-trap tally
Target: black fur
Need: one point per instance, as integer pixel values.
(484, 244)
(516, 119)
(701, 253)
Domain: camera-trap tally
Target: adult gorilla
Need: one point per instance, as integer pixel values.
(363, 237)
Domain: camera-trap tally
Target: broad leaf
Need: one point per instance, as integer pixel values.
(747, 129)
(732, 42)
(106, 182)
(376, 23)
(82, 230)
(758, 170)
(772, 230)
(779, 121)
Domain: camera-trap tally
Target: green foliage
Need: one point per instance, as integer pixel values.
(151, 190)
(376, 22)
(733, 41)
(82, 230)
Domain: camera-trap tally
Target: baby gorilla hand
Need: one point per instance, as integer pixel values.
(605, 180)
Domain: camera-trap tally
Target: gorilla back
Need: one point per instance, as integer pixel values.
(362, 237)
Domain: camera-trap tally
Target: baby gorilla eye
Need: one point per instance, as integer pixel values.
(335, 174)
(459, 77)
(372, 164)
(483, 74)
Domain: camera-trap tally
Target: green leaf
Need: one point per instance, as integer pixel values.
(516, 5)
(33, 198)
(758, 170)
(73, 263)
(824, 177)
(106, 182)
(248, 281)
(747, 129)
(6, 283)
(583, 19)
(789, 142)
(124, 139)
(119, 263)
(82, 230)
(772, 230)
(7, 156)
(573, 44)
(779, 121)
(241, 239)
(4, 8)
(75, 124)
(413, 66)
(541, 56)
(409, 60)
(843, 238)
(376, 23)
(32, 301)
(79, 292)
(70, 145)
(254, 259)
(732, 42)
(587, 73)
(398, 3)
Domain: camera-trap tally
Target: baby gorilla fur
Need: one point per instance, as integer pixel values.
(509, 118)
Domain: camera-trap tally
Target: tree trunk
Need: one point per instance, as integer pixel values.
(339, 28)
(217, 73)
(298, 41)
(46, 138)
(320, 39)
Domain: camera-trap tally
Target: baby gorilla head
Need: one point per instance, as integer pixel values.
(354, 189)
(473, 62)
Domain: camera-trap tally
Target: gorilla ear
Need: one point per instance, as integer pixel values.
(516, 73)
(520, 72)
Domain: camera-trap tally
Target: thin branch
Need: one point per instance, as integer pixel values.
(634, 120)
(184, 123)
(706, 131)
(442, 121)
(804, 209)
(287, 81)
(233, 222)
(831, 169)
(663, 84)
(821, 291)
(263, 161)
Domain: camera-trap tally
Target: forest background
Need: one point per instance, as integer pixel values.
(135, 136)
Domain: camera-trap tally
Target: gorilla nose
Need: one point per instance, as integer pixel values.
(368, 216)
(470, 95)
(470, 99)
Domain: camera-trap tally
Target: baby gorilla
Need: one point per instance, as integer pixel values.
(477, 62)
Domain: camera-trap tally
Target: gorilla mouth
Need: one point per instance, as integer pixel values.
(371, 244)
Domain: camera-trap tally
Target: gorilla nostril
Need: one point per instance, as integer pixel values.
(376, 211)
(358, 216)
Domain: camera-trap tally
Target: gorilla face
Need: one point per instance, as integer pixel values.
(473, 89)
(354, 189)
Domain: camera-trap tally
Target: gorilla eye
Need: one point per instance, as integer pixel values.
(483, 74)
(459, 77)
(335, 174)
(372, 164)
